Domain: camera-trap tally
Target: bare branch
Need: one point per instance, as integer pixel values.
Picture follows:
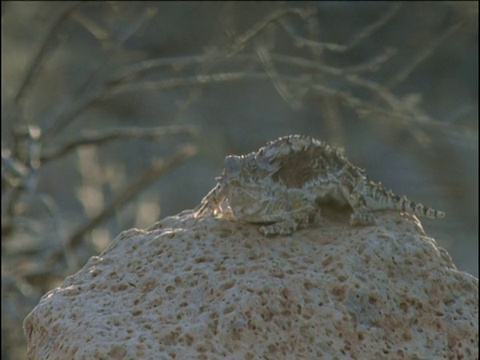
(93, 138)
(95, 85)
(404, 73)
(240, 42)
(89, 98)
(82, 99)
(280, 86)
(97, 31)
(137, 24)
(374, 27)
(357, 39)
(398, 110)
(156, 170)
(44, 50)
(139, 68)
(74, 110)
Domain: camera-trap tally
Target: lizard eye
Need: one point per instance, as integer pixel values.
(232, 164)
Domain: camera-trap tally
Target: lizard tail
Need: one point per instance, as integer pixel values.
(420, 209)
(388, 199)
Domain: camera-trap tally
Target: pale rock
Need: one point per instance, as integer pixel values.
(210, 288)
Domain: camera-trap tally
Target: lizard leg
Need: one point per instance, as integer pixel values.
(361, 218)
(291, 223)
(361, 214)
(285, 227)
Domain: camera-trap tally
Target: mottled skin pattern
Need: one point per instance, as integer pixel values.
(283, 184)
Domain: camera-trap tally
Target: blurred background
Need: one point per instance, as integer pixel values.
(118, 114)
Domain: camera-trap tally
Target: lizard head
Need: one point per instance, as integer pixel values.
(237, 168)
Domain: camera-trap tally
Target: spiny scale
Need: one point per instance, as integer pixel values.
(284, 183)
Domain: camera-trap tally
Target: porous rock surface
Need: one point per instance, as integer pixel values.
(210, 288)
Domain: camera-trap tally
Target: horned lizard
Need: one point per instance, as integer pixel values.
(283, 184)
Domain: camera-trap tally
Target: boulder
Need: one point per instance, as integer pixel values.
(211, 288)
